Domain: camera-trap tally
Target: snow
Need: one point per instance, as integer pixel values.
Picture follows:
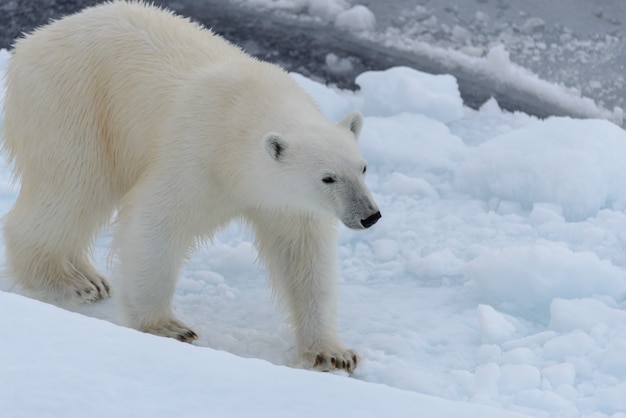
(494, 284)
(89, 366)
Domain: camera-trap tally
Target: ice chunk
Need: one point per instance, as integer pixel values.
(546, 213)
(337, 64)
(525, 279)
(487, 377)
(612, 398)
(560, 374)
(550, 403)
(518, 377)
(585, 314)
(403, 89)
(333, 104)
(436, 264)
(356, 19)
(494, 327)
(575, 344)
(519, 355)
(613, 359)
(326, 9)
(411, 141)
(574, 164)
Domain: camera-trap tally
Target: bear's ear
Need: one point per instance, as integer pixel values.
(354, 122)
(275, 145)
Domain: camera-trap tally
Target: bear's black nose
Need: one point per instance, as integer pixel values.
(371, 220)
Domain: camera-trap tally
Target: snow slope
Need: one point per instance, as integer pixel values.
(494, 284)
(88, 367)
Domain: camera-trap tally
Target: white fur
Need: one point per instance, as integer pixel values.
(126, 106)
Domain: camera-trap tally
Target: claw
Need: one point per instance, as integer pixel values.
(333, 360)
(318, 360)
(187, 336)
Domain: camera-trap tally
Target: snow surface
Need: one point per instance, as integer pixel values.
(494, 284)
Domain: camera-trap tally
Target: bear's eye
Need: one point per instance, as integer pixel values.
(328, 180)
(364, 169)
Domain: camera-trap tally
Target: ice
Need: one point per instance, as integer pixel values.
(356, 19)
(552, 403)
(494, 284)
(337, 64)
(546, 213)
(525, 279)
(494, 327)
(574, 344)
(532, 165)
(612, 399)
(519, 355)
(333, 104)
(402, 184)
(326, 9)
(612, 360)
(460, 34)
(430, 145)
(385, 249)
(561, 374)
(402, 89)
(517, 378)
(486, 381)
(586, 314)
(533, 24)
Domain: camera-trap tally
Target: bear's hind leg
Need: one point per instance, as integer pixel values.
(47, 243)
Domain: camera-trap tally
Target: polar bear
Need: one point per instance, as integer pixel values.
(125, 107)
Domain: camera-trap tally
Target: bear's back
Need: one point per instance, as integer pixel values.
(120, 31)
(108, 75)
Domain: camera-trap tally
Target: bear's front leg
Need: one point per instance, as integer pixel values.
(300, 252)
(152, 241)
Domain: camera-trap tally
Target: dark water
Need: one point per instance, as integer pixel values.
(303, 46)
(576, 43)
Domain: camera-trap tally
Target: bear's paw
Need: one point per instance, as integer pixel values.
(81, 287)
(331, 360)
(96, 289)
(172, 329)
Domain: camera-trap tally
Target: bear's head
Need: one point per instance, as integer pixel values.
(319, 167)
